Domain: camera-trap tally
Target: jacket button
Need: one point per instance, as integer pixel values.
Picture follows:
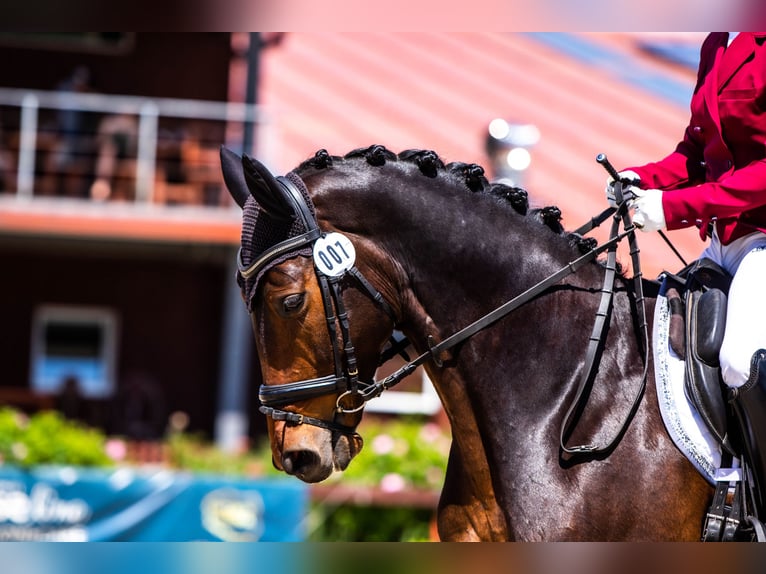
(728, 164)
(697, 129)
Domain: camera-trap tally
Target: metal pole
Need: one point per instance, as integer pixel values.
(231, 424)
(251, 91)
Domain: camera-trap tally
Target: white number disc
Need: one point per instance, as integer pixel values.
(334, 254)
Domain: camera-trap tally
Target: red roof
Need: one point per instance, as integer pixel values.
(439, 91)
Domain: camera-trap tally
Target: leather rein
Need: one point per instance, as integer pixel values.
(345, 380)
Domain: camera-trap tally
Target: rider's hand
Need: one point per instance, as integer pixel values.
(628, 176)
(649, 215)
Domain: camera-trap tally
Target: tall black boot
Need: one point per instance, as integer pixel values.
(749, 405)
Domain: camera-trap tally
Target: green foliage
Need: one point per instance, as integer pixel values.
(409, 452)
(402, 453)
(348, 523)
(49, 438)
(195, 454)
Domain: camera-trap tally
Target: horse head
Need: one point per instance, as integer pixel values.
(309, 305)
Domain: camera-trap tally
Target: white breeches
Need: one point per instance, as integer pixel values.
(745, 260)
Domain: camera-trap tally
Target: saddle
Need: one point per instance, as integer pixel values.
(697, 297)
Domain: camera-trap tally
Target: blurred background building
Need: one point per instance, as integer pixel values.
(118, 301)
(117, 237)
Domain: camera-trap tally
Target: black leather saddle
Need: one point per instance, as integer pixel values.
(697, 296)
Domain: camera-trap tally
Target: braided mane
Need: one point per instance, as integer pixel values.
(472, 175)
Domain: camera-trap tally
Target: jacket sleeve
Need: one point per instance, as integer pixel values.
(742, 191)
(682, 168)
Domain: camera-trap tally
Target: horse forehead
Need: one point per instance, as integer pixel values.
(293, 272)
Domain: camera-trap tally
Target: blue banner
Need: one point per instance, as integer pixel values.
(129, 504)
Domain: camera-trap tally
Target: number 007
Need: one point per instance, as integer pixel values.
(334, 254)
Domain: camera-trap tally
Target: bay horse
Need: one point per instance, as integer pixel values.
(342, 251)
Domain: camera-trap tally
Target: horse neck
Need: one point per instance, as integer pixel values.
(445, 254)
(455, 260)
(462, 261)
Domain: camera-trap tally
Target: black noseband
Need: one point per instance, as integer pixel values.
(276, 395)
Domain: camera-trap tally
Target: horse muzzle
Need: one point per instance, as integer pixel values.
(313, 454)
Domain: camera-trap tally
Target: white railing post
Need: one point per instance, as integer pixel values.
(25, 178)
(147, 152)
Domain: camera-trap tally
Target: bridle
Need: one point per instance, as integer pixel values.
(345, 383)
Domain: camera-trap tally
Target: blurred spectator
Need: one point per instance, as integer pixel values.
(170, 163)
(116, 161)
(69, 161)
(70, 118)
(182, 172)
(7, 165)
(140, 408)
(70, 401)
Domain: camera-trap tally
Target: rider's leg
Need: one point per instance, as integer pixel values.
(743, 362)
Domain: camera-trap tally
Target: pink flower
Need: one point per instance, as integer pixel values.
(116, 449)
(392, 482)
(383, 444)
(430, 432)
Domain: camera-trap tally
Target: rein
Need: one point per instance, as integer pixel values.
(599, 330)
(620, 215)
(492, 317)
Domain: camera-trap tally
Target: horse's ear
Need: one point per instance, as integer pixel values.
(266, 190)
(231, 166)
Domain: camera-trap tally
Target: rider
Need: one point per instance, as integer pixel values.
(716, 179)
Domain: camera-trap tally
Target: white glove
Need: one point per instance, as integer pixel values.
(649, 215)
(627, 174)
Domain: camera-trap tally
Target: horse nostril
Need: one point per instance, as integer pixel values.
(298, 461)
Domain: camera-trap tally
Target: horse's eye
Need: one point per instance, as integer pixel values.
(292, 303)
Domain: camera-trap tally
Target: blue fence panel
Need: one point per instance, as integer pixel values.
(125, 504)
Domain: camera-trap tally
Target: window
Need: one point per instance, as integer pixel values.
(74, 342)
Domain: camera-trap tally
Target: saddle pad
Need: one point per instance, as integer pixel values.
(683, 423)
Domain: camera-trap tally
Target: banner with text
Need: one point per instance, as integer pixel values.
(127, 504)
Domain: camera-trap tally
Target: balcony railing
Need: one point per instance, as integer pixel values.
(117, 148)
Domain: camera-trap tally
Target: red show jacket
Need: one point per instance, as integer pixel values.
(718, 172)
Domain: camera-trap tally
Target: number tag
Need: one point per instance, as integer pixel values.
(334, 254)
